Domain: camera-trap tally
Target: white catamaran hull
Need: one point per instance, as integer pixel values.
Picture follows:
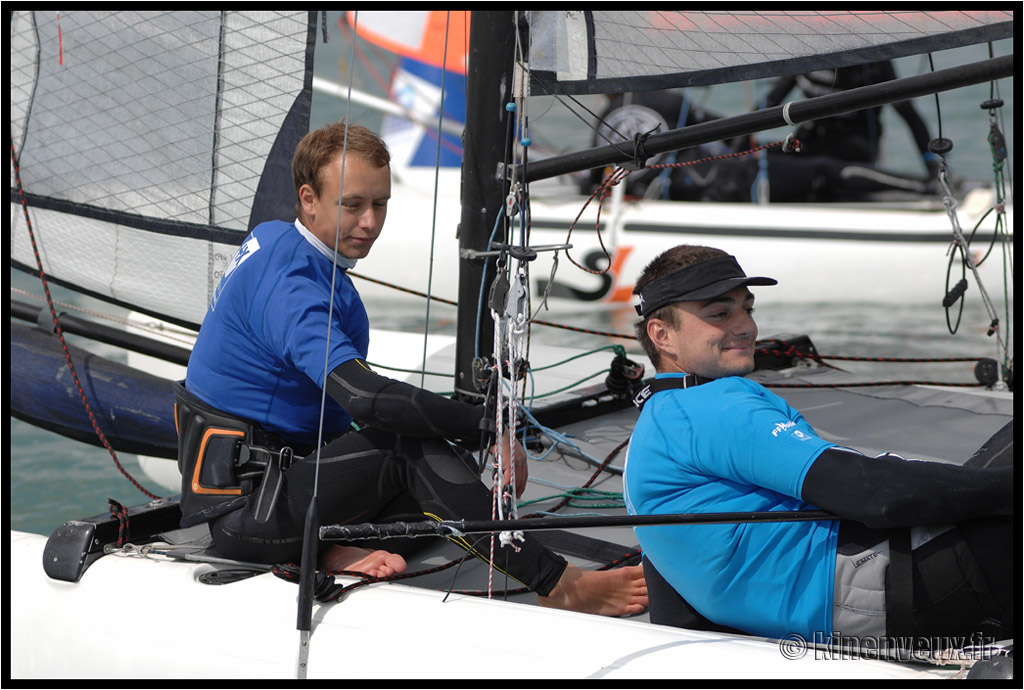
(246, 629)
(871, 252)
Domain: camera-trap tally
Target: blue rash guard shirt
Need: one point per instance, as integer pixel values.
(731, 445)
(260, 353)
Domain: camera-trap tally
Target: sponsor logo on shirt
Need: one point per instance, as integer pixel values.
(782, 426)
(248, 248)
(795, 433)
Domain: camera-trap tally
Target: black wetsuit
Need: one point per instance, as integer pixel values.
(961, 579)
(960, 583)
(401, 466)
(838, 154)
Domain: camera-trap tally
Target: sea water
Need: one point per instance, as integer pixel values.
(52, 479)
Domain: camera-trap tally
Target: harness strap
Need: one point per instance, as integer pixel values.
(223, 459)
(899, 597)
(250, 455)
(582, 546)
(665, 384)
(270, 486)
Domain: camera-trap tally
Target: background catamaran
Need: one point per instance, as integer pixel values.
(903, 235)
(117, 230)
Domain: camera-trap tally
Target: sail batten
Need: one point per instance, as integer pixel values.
(589, 52)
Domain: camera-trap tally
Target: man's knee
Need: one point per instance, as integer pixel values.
(450, 463)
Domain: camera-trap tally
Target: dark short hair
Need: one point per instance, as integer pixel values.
(668, 262)
(321, 146)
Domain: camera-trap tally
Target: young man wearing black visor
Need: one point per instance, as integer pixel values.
(710, 440)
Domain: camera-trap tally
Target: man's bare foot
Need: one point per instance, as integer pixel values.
(354, 558)
(619, 592)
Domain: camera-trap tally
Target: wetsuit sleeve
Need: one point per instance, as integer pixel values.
(399, 407)
(889, 491)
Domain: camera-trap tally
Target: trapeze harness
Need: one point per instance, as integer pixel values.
(873, 588)
(223, 459)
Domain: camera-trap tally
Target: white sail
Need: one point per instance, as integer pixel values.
(635, 50)
(143, 138)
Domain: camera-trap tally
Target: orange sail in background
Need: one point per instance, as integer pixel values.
(426, 80)
(418, 35)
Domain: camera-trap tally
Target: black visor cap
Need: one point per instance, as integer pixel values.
(701, 281)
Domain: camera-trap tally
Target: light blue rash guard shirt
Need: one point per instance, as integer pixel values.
(261, 350)
(731, 445)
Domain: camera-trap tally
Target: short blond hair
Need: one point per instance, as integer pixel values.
(319, 148)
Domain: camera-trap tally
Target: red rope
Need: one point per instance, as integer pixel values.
(60, 41)
(60, 333)
(123, 524)
(628, 336)
(620, 174)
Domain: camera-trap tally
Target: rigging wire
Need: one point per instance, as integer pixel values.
(349, 34)
(631, 337)
(589, 123)
(309, 541)
(330, 307)
(960, 245)
(437, 172)
(1000, 169)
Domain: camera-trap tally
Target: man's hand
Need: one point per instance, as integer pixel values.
(518, 456)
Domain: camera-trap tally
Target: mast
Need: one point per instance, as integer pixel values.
(488, 89)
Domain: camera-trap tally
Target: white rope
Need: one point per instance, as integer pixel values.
(510, 327)
(785, 114)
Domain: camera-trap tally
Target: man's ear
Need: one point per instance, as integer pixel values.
(658, 332)
(307, 196)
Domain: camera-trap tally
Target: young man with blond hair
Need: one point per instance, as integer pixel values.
(249, 413)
